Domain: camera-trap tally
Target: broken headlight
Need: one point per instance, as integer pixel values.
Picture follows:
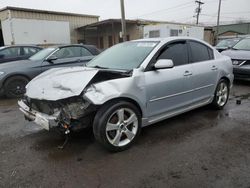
(77, 109)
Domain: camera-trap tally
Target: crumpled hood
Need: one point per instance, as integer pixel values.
(237, 54)
(60, 83)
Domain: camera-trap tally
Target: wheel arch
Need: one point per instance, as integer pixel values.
(227, 80)
(126, 99)
(15, 75)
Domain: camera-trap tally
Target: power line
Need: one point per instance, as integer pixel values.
(220, 16)
(198, 10)
(244, 12)
(163, 10)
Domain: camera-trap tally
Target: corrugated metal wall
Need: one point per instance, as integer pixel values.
(242, 28)
(75, 21)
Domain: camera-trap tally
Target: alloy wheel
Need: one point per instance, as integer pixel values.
(222, 94)
(122, 127)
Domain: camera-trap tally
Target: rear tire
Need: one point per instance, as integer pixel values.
(14, 87)
(117, 125)
(221, 95)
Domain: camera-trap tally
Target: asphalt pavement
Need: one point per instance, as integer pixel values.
(201, 148)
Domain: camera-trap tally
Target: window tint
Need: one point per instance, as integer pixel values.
(30, 51)
(199, 52)
(11, 52)
(177, 52)
(85, 52)
(211, 53)
(68, 52)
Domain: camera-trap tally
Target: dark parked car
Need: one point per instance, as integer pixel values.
(240, 55)
(14, 53)
(15, 75)
(226, 44)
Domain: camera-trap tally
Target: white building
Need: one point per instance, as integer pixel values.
(173, 29)
(40, 27)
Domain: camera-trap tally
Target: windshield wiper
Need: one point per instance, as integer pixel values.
(234, 49)
(100, 67)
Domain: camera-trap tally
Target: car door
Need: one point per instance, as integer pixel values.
(166, 89)
(204, 71)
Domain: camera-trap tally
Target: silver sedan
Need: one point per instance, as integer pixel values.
(130, 86)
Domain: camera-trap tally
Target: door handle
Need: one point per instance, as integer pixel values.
(214, 68)
(187, 73)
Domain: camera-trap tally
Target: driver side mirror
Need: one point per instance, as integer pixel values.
(52, 58)
(164, 64)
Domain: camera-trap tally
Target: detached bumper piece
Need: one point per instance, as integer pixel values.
(44, 120)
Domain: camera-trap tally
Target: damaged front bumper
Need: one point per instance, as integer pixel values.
(44, 120)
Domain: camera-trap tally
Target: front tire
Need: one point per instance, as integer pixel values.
(117, 125)
(14, 87)
(221, 95)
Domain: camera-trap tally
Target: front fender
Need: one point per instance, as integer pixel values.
(102, 92)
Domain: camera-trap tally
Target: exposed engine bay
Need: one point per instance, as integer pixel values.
(69, 114)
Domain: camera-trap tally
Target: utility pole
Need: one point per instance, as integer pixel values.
(124, 33)
(198, 10)
(218, 23)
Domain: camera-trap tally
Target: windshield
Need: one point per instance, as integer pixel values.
(124, 56)
(244, 44)
(42, 54)
(227, 43)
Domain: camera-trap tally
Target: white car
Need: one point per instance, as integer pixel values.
(129, 86)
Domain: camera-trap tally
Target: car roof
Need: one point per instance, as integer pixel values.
(166, 39)
(169, 39)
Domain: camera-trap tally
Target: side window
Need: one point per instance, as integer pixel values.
(211, 53)
(199, 52)
(68, 52)
(30, 51)
(85, 52)
(177, 52)
(11, 52)
(5, 52)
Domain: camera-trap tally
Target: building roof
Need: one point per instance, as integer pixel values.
(109, 21)
(137, 21)
(234, 24)
(46, 11)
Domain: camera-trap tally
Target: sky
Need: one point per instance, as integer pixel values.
(162, 10)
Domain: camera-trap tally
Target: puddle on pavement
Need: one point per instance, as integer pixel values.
(49, 142)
